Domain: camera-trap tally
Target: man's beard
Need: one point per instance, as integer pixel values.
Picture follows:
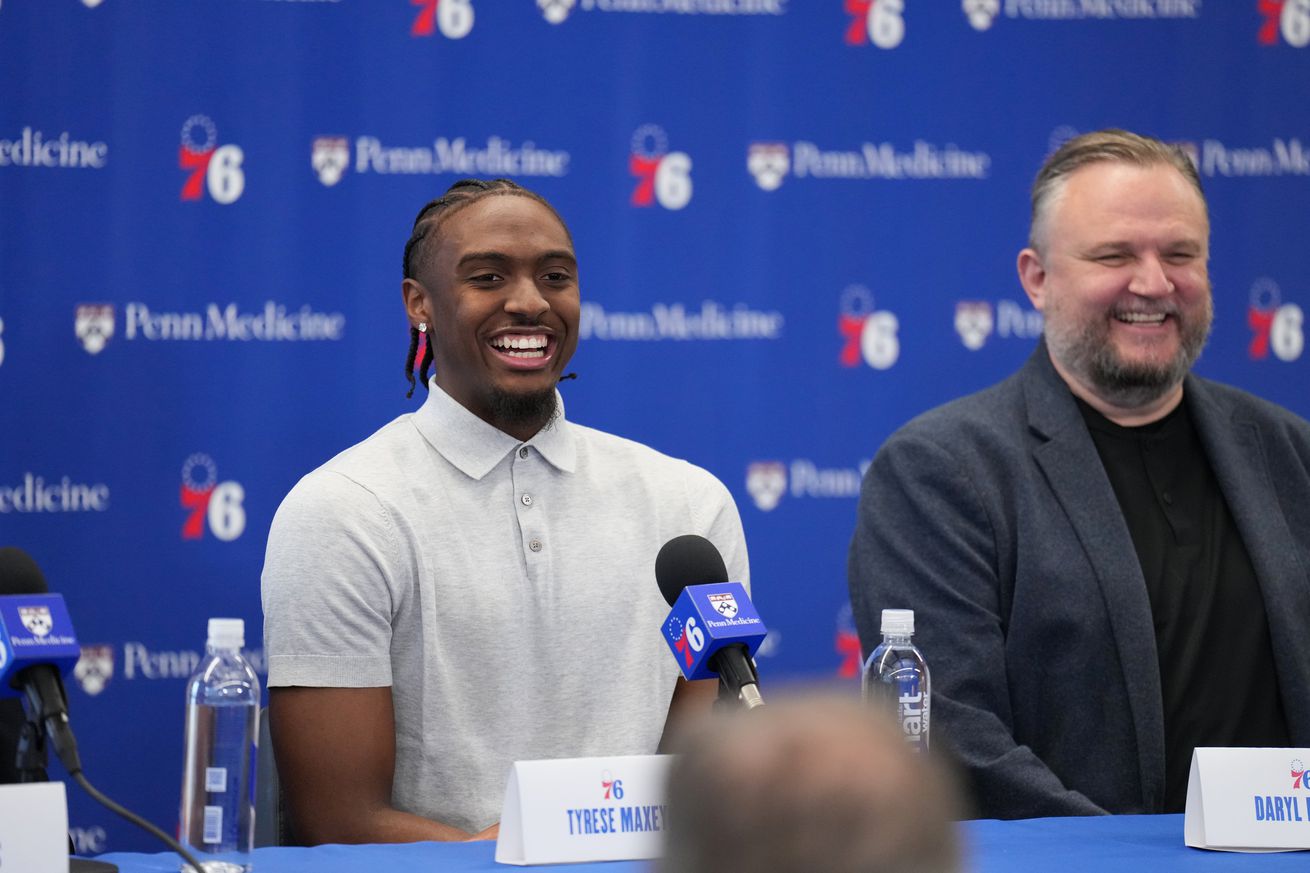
(1086, 351)
(514, 409)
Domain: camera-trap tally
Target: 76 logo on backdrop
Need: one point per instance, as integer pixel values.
(881, 22)
(454, 18)
(664, 177)
(1290, 18)
(870, 335)
(1277, 326)
(212, 167)
(212, 504)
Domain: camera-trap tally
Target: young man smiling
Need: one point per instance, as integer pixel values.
(1108, 555)
(474, 584)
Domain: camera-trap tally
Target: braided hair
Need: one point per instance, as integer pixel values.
(457, 196)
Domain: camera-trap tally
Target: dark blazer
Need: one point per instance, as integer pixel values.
(993, 519)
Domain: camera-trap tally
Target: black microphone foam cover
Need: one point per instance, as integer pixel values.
(688, 560)
(19, 574)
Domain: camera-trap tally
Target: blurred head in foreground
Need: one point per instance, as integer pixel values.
(814, 784)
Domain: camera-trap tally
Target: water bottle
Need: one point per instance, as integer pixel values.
(896, 676)
(222, 733)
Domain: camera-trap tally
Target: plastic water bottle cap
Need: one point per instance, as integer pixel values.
(227, 633)
(898, 621)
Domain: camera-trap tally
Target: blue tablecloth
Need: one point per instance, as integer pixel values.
(1104, 844)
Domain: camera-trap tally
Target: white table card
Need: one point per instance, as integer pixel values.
(583, 809)
(34, 828)
(1248, 800)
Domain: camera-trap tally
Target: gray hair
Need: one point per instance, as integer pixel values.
(1110, 145)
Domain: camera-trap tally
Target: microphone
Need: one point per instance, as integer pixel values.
(713, 628)
(37, 649)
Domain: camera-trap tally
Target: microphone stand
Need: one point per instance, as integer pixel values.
(738, 686)
(31, 760)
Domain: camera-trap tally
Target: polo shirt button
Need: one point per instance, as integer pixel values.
(535, 545)
(523, 452)
(527, 499)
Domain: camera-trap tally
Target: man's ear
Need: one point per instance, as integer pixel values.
(1032, 276)
(416, 302)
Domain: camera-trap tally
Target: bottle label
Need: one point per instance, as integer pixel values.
(213, 829)
(215, 779)
(911, 708)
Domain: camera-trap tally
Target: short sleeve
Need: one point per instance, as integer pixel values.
(330, 573)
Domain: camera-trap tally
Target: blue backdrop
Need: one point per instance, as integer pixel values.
(796, 221)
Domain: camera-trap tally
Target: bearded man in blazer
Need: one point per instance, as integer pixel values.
(1108, 556)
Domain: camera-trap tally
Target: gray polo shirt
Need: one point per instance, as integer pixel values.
(504, 590)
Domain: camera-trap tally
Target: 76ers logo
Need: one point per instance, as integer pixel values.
(612, 787)
(880, 22)
(210, 501)
(454, 18)
(870, 334)
(664, 176)
(1299, 779)
(1290, 18)
(213, 167)
(1277, 325)
(687, 640)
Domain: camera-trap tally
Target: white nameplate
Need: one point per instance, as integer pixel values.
(583, 809)
(34, 827)
(1248, 800)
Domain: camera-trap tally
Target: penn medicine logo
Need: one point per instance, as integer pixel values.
(453, 19)
(330, 157)
(975, 321)
(769, 163)
(94, 325)
(663, 177)
(870, 334)
(211, 167)
(94, 668)
(556, 11)
(36, 619)
(1276, 326)
(724, 604)
(767, 482)
(981, 13)
(210, 503)
(35, 148)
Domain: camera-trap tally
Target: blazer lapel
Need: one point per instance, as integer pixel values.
(1068, 458)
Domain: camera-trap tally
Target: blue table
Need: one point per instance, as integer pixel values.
(1105, 844)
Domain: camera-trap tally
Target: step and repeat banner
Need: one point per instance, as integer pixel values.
(796, 222)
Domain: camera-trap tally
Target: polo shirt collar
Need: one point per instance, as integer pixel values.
(475, 447)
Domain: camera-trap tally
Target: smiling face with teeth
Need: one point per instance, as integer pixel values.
(1122, 281)
(497, 285)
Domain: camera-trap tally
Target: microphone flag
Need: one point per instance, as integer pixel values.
(34, 629)
(705, 619)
